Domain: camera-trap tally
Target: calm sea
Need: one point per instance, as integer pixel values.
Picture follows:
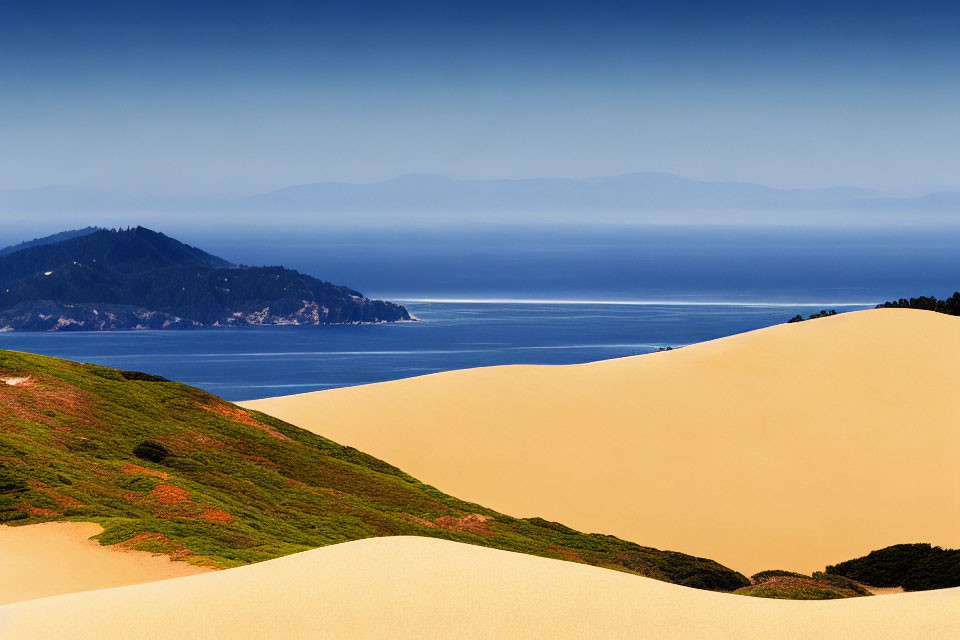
(679, 269)
(248, 363)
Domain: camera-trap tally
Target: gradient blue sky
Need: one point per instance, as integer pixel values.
(238, 97)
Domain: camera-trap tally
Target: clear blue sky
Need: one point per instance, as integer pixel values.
(237, 97)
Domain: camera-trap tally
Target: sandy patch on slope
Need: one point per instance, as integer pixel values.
(789, 447)
(423, 588)
(58, 557)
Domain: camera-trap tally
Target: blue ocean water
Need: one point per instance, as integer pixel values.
(256, 362)
(788, 270)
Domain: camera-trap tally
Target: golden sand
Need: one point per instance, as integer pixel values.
(57, 557)
(789, 447)
(425, 588)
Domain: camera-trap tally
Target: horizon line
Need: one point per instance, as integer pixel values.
(635, 303)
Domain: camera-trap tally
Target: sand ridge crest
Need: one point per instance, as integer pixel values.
(788, 447)
(403, 587)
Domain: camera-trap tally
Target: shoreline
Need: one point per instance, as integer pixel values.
(633, 303)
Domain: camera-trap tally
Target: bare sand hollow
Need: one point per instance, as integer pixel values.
(58, 557)
(789, 447)
(424, 588)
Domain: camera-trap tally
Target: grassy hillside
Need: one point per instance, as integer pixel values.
(168, 468)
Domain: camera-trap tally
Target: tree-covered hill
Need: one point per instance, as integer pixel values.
(56, 237)
(915, 567)
(138, 278)
(172, 469)
(949, 306)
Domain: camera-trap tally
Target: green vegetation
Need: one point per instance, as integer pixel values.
(788, 585)
(763, 576)
(950, 306)
(171, 469)
(915, 567)
(795, 589)
(841, 582)
(823, 313)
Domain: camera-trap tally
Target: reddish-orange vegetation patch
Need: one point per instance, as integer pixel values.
(99, 470)
(61, 499)
(19, 405)
(173, 549)
(165, 493)
(37, 511)
(135, 468)
(216, 515)
(418, 520)
(170, 501)
(33, 401)
(566, 553)
(295, 483)
(65, 437)
(144, 537)
(473, 523)
(239, 415)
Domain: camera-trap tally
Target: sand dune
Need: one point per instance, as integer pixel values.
(58, 557)
(789, 447)
(425, 588)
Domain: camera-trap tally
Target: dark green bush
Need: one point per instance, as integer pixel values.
(823, 313)
(840, 582)
(143, 377)
(151, 450)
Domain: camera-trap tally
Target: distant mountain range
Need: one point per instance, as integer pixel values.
(97, 279)
(430, 194)
(638, 191)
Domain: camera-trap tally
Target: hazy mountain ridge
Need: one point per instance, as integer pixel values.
(648, 192)
(138, 278)
(636, 191)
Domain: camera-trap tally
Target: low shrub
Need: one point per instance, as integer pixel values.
(763, 576)
(152, 451)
